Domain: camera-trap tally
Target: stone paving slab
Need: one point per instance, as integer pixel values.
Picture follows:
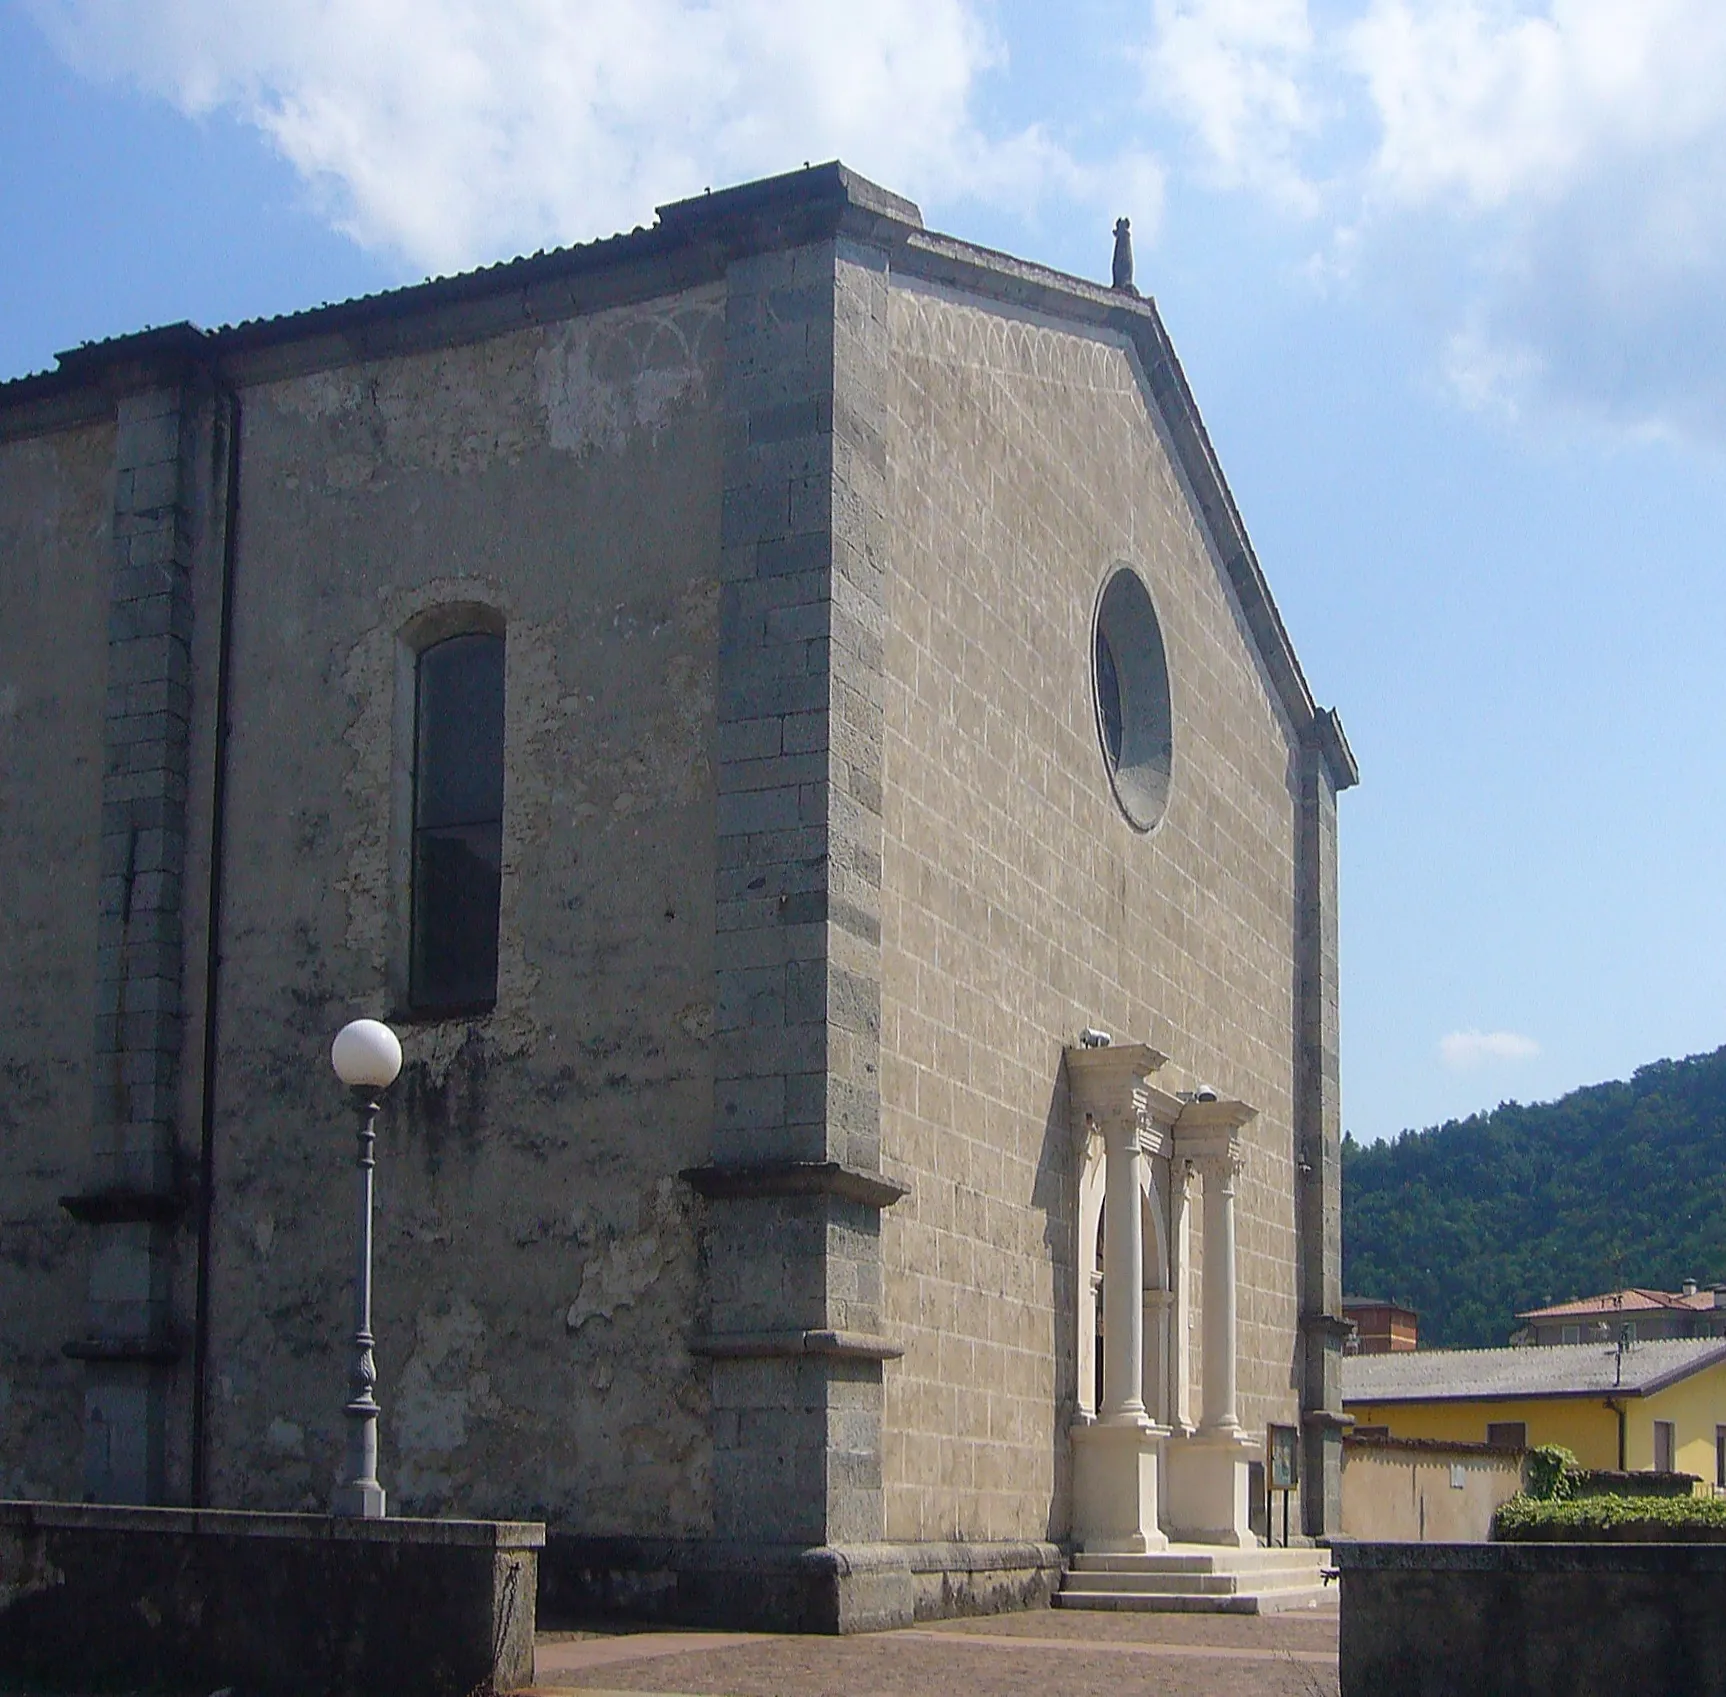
(1026, 1655)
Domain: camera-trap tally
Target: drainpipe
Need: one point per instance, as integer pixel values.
(212, 967)
(1618, 1408)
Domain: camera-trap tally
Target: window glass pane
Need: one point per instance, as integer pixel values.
(1109, 699)
(456, 882)
(458, 777)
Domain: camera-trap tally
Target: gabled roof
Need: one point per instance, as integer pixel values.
(692, 242)
(1560, 1370)
(1615, 1302)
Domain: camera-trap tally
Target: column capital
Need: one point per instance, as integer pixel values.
(1221, 1166)
(1110, 1095)
(1209, 1135)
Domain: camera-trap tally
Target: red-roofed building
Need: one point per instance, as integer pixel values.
(1689, 1313)
(1380, 1327)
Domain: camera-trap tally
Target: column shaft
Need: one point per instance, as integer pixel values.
(1180, 1318)
(1219, 1280)
(1123, 1277)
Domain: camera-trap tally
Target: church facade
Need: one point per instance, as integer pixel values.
(781, 714)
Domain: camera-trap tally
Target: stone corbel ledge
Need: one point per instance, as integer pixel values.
(124, 1206)
(833, 1345)
(141, 1352)
(731, 1182)
(1326, 1420)
(1326, 1326)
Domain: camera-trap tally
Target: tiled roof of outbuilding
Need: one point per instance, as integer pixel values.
(1558, 1370)
(1629, 1301)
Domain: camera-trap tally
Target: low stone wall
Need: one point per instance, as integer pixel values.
(1424, 1490)
(788, 1588)
(159, 1598)
(1608, 1482)
(1532, 1620)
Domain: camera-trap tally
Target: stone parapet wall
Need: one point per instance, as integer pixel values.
(164, 1599)
(1521, 1620)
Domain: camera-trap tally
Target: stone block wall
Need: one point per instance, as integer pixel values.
(1019, 905)
(56, 514)
(537, 1252)
(794, 1290)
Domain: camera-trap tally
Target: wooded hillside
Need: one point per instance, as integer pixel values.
(1613, 1185)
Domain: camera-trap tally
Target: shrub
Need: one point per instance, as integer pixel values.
(1609, 1519)
(1553, 1473)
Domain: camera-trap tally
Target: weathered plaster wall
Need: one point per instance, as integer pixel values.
(537, 1268)
(55, 510)
(1019, 905)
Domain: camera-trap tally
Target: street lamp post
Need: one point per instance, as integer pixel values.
(367, 1057)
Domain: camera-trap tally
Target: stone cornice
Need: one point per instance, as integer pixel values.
(726, 1182)
(837, 1345)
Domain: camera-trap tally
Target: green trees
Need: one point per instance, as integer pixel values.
(1617, 1184)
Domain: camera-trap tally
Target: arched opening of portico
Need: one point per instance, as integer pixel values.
(1156, 1296)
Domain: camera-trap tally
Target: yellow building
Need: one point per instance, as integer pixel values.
(1652, 1406)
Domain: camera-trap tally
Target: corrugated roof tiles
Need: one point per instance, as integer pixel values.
(1581, 1369)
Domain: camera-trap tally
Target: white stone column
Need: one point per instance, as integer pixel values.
(1117, 1494)
(1123, 1274)
(1181, 1309)
(1207, 1499)
(1157, 1306)
(1219, 1295)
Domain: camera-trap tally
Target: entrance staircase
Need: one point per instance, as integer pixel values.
(1197, 1579)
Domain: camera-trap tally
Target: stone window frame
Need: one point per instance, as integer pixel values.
(1141, 791)
(426, 629)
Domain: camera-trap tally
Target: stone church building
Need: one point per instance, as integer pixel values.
(780, 712)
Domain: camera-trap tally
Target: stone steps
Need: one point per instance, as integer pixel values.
(1197, 1579)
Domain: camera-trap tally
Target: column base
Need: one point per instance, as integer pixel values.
(1116, 1496)
(358, 1502)
(1206, 1494)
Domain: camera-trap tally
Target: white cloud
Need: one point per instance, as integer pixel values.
(454, 131)
(1238, 73)
(1555, 169)
(1462, 1051)
(1492, 103)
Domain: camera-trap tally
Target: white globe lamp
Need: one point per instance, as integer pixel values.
(366, 1055)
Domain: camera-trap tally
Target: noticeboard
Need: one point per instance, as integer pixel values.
(1282, 1452)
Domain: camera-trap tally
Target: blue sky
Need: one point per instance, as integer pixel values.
(1445, 274)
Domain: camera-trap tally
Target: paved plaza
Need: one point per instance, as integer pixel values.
(1076, 1655)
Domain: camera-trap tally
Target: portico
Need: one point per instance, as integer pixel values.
(1143, 1471)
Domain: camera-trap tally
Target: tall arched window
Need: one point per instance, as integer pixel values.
(457, 824)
